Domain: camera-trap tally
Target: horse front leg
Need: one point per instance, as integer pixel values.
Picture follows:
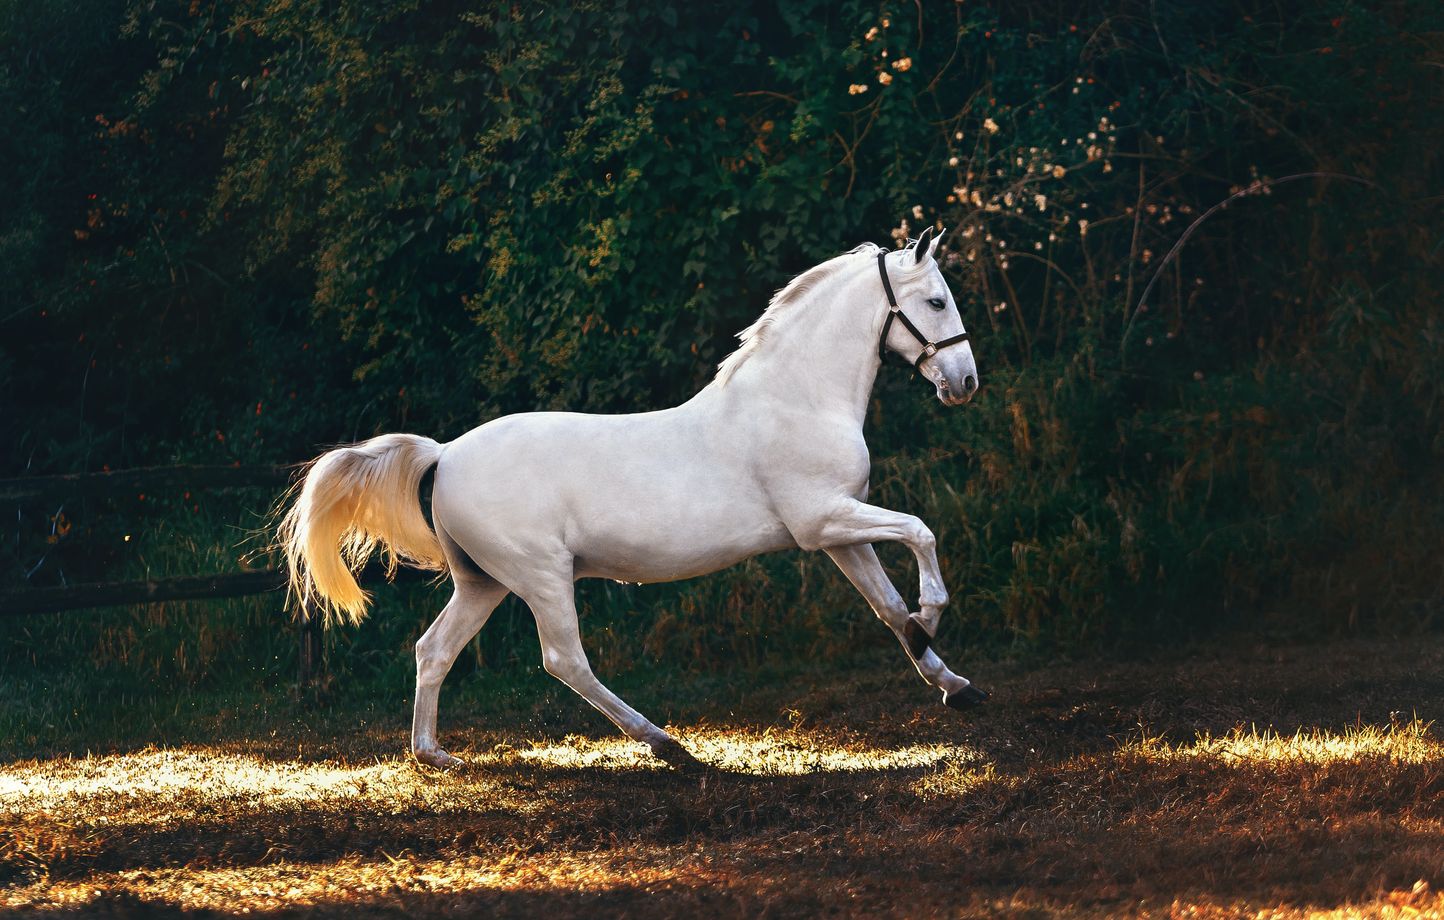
(861, 566)
(856, 523)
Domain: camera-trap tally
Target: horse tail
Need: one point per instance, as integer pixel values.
(350, 502)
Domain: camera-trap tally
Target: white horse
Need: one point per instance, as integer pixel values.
(769, 456)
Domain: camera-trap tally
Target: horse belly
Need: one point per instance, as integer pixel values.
(651, 543)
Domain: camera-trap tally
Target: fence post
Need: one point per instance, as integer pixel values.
(312, 648)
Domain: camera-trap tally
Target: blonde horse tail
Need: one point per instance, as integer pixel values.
(350, 502)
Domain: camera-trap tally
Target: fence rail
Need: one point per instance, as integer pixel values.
(60, 598)
(159, 479)
(151, 591)
(143, 479)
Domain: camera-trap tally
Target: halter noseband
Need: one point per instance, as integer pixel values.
(930, 348)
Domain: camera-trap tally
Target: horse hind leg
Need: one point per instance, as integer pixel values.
(472, 602)
(553, 603)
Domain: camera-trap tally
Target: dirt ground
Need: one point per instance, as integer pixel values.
(1300, 781)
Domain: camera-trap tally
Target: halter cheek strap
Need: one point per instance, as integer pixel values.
(895, 312)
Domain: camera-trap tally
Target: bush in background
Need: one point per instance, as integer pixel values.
(240, 231)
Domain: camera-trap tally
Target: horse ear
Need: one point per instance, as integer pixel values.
(923, 247)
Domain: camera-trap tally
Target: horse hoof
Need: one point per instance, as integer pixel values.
(438, 759)
(916, 636)
(966, 698)
(671, 752)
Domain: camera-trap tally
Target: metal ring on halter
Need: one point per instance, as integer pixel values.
(930, 348)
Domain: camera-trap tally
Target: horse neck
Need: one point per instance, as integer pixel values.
(824, 356)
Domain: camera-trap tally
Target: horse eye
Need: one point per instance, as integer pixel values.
(937, 303)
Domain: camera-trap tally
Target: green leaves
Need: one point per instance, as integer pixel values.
(422, 215)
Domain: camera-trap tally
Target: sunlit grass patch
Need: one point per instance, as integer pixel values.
(1417, 900)
(62, 811)
(159, 785)
(652, 882)
(960, 778)
(1409, 742)
(165, 772)
(760, 753)
(162, 785)
(391, 879)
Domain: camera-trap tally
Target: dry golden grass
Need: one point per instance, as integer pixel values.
(1301, 783)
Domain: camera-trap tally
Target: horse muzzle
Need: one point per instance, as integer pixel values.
(956, 393)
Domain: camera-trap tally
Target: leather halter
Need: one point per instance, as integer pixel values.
(895, 312)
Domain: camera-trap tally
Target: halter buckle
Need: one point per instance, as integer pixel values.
(929, 349)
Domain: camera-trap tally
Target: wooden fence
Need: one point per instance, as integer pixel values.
(58, 599)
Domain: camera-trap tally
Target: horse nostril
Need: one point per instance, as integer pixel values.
(970, 383)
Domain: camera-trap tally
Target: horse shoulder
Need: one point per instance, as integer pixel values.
(814, 462)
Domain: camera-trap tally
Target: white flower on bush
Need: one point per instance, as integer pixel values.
(900, 233)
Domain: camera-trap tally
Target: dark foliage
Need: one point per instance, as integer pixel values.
(238, 231)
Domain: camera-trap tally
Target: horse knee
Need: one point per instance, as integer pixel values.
(923, 536)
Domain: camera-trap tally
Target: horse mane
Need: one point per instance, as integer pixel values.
(796, 290)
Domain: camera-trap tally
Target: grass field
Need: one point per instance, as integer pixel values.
(1224, 781)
